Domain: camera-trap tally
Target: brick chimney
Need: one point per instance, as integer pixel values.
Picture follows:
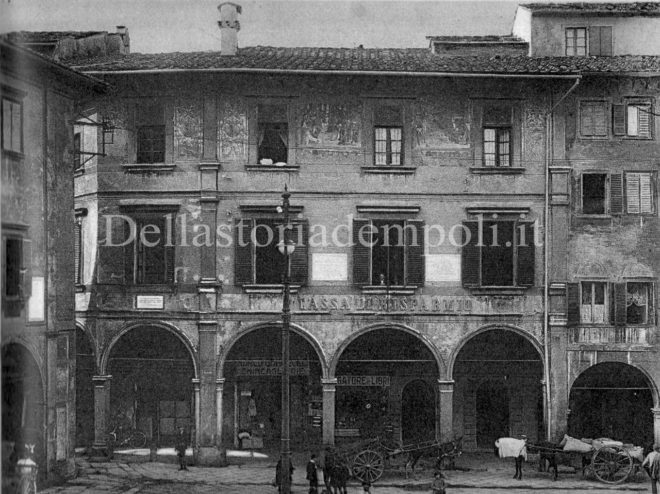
(229, 27)
(122, 31)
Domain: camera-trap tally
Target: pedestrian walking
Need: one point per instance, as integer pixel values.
(181, 447)
(652, 466)
(438, 486)
(312, 476)
(278, 474)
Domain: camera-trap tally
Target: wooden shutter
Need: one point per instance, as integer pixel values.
(77, 245)
(361, 254)
(632, 193)
(243, 252)
(26, 266)
(651, 303)
(605, 33)
(619, 304)
(587, 118)
(573, 303)
(600, 118)
(594, 41)
(646, 193)
(619, 120)
(616, 193)
(644, 120)
(414, 253)
(526, 253)
(471, 255)
(169, 263)
(300, 257)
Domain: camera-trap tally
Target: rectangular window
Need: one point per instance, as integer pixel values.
(388, 136)
(269, 261)
(600, 41)
(502, 254)
(12, 125)
(273, 134)
(638, 296)
(593, 307)
(593, 118)
(77, 150)
(151, 144)
(497, 146)
(13, 263)
(594, 193)
(638, 120)
(576, 41)
(149, 260)
(639, 193)
(388, 253)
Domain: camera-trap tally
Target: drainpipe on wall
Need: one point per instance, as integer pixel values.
(546, 253)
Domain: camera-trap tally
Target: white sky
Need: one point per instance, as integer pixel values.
(189, 25)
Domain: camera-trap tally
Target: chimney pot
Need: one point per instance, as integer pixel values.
(229, 27)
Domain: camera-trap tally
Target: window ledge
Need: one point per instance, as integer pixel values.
(147, 167)
(161, 288)
(272, 168)
(500, 290)
(390, 169)
(266, 289)
(593, 216)
(392, 290)
(504, 170)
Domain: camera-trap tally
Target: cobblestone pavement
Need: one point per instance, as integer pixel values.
(255, 478)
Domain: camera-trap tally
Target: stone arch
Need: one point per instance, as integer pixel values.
(34, 353)
(299, 330)
(440, 364)
(506, 327)
(97, 354)
(105, 357)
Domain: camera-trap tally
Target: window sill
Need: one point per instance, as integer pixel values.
(160, 288)
(272, 168)
(392, 290)
(504, 170)
(147, 167)
(390, 169)
(500, 290)
(269, 289)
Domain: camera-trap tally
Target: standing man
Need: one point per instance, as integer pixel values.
(652, 466)
(181, 447)
(312, 476)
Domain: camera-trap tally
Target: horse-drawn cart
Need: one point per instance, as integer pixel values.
(367, 460)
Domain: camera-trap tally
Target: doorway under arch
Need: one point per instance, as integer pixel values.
(22, 409)
(417, 412)
(372, 373)
(151, 388)
(612, 399)
(252, 396)
(85, 370)
(498, 391)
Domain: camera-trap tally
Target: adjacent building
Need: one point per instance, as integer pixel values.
(475, 226)
(38, 98)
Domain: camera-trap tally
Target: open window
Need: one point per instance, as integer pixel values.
(633, 118)
(150, 123)
(593, 302)
(16, 272)
(595, 41)
(497, 136)
(388, 253)
(502, 254)
(272, 134)
(149, 258)
(594, 193)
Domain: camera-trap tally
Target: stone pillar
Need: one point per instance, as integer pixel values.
(219, 390)
(329, 391)
(198, 426)
(444, 430)
(558, 351)
(656, 425)
(207, 382)
(101, 413)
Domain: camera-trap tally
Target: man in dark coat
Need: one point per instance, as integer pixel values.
(278, 474)
(652, 466)
(312, 476)
(181, 447)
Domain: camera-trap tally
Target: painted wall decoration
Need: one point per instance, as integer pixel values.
(330, 125)
(188, 131)
(441, 124)
(233, 130)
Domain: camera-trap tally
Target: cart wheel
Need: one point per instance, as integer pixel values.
(612, 465)
(368, 466)
(137, 440)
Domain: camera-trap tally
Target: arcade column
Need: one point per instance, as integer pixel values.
(329, 392)
(101, 414)
(656, 425)
(445, 418)
(219, 390)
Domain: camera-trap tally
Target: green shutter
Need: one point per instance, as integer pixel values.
(243, 252)
(619, 304)
(300, 257)
(605, 41)
(526, 253)
(77, 247)
(594, 41)
(471, 255)
(619, 120)
(361, 254)
(573, 303)
(414, 252)
(616, 193)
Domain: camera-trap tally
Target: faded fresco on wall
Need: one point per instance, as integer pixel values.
(441, 124)
(535, 134)
(330, 125)
(232, 130)
(188, 132)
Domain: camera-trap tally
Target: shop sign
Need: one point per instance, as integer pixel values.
(363, 381)
(350, 303)
(153, 302)
(270, 367)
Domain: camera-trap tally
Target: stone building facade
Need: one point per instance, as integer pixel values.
(38, 319)
(470, 164)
